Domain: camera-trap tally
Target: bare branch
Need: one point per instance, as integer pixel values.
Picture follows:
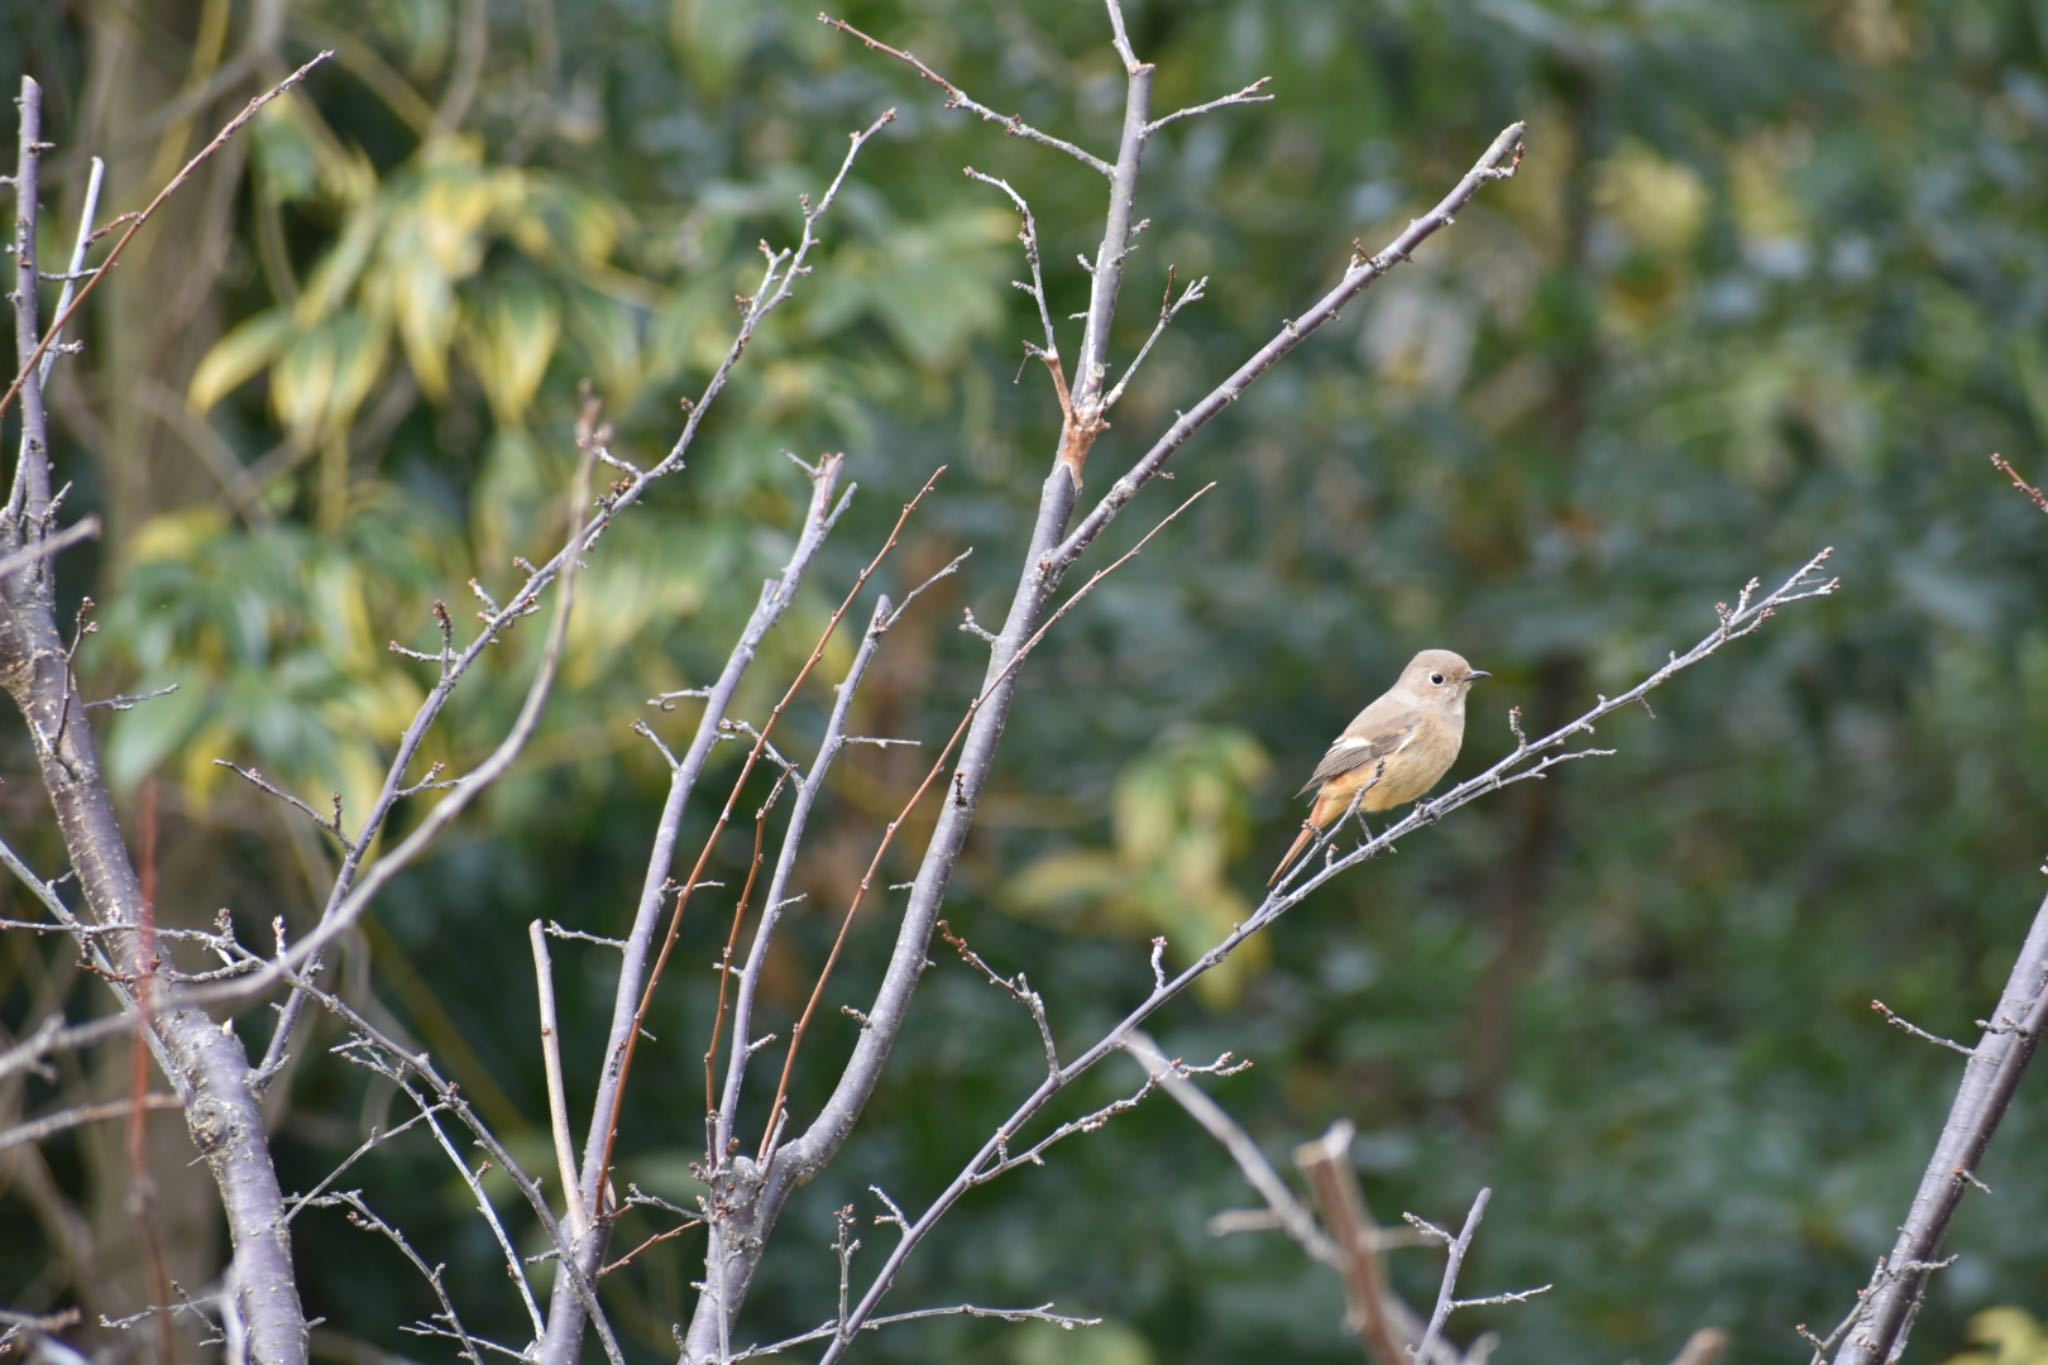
(360, 1214)
(1455, 1263)
(743, 1045)
(815, 1147)
(86, 529)
(1905, 1025)
(466, 790)
(378, 1051)
(1002, 1160)
(948, 571)
(956, 98)
(129, 701)
(1249, 95)
(558, 1101)
(2005, 466)
(205, 1064)
(1042, 1313)
(1876, 1329)
(1028, 235)
(78, 1115)
(1016, 987)
(1169, 308)
(1498, 163)
(1327, 1164)
(696, 876)
(1290, 1213)
(330, 823)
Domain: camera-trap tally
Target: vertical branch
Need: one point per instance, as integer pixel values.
(558, 1101)
(204, 1062)
(31, 491)
(808, 791)
(596, 1194)
(1878, 1329)
(1084, 417)
(88, 213)
(141, 1188)
(565, 1324)
(1327, 1164)
(1446, 1294)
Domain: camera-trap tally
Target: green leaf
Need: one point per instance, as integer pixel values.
(712, 37)
(140, 739)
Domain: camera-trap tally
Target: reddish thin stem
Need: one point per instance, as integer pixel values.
(675, 924)
(171, 186)
(2040, 499)
(732, 943)
(803, 1023)
(656, 1240)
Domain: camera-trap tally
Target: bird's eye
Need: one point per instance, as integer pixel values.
(1437, 678)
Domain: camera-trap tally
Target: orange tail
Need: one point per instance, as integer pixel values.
(1301, 841)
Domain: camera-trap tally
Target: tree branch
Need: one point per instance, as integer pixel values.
(1877, 1329)
(956, 98)
(1498, 163)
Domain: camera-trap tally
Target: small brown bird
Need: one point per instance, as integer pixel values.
(1396, 749)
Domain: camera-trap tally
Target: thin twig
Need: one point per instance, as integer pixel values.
(87, 528)
(171, 187)
(1249, 95)
(1497, 163)
(956, 98)
(2040, 498)
(829, 747)
(40, 1129)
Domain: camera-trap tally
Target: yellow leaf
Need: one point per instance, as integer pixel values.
(340, 266)
(237, 357)
(510, 339)
(425, 312)
(1064, 877)
(175, 537)
(201, 775)
(324, 375)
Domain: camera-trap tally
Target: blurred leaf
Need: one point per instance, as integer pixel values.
(510, 338)
(1107, 1343)
(236, 358)
(324, 374)
(712, 38)
(140, 739)
(2014, 1335)
(341, 266)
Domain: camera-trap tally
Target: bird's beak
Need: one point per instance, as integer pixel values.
(1477, 673)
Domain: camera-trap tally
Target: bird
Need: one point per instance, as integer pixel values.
(1394, 750)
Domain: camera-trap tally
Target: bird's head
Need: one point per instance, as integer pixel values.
(1439, 678)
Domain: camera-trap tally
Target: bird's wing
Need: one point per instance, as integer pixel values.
(1352, 752)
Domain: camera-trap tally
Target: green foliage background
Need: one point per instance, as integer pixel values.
(1772, 277)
